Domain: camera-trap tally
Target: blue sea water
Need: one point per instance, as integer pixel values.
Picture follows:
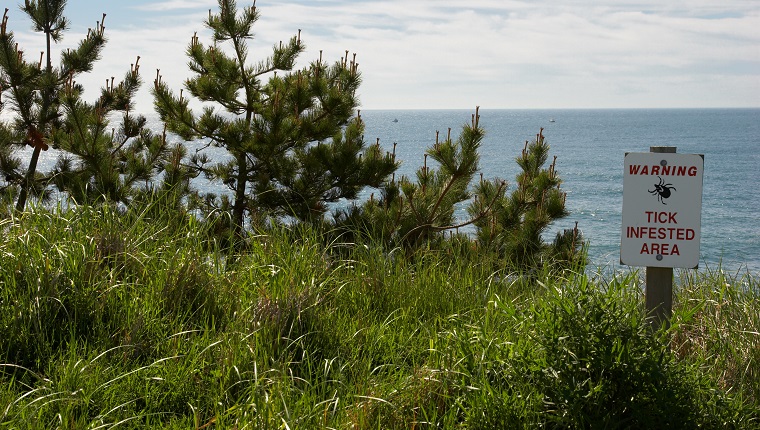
(590, 147)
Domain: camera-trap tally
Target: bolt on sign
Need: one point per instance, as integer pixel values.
(662, 209)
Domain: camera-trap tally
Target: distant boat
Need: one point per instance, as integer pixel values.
(551, 119)
(395, 119)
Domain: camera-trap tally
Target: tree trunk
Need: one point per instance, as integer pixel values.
(46, 102)
(28, 180)
(238, 209)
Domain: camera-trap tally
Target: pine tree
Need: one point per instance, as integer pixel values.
(102, 163)
(95, 162)
(292, 144)
(516, 222)
(509, 226)
(34, 88)
(413, 212)
(8, 163)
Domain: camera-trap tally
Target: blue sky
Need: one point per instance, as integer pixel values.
(454, 54)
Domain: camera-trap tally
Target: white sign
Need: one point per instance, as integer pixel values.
(662, 209)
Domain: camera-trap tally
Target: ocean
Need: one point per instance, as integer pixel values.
(590, 146)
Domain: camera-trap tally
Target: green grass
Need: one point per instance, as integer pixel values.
(137, 320)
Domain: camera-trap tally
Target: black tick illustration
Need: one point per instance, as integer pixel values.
(662, 190)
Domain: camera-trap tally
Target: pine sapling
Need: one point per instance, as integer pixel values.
(95, 161)
(274, 121)
(103, 163)
(415, 212)
(514, 227)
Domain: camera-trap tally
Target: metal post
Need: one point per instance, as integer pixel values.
(659, 280)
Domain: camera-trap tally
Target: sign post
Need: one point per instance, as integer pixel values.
(662, 207)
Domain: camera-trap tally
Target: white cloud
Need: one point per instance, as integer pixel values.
(509, 54)
(173, 5)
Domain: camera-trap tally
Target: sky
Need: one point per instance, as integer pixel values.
(442, 54)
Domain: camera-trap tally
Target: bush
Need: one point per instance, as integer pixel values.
(585, 357)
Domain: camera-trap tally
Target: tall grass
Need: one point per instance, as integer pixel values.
(723, 334)
(138, 319)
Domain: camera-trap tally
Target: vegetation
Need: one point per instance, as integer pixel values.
(412, 213)
(275, 130)
(126, 306)
(274, 127)
(96, 162)
(113, 320)
(513, 226)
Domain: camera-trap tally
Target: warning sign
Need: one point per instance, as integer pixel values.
(662, 209)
